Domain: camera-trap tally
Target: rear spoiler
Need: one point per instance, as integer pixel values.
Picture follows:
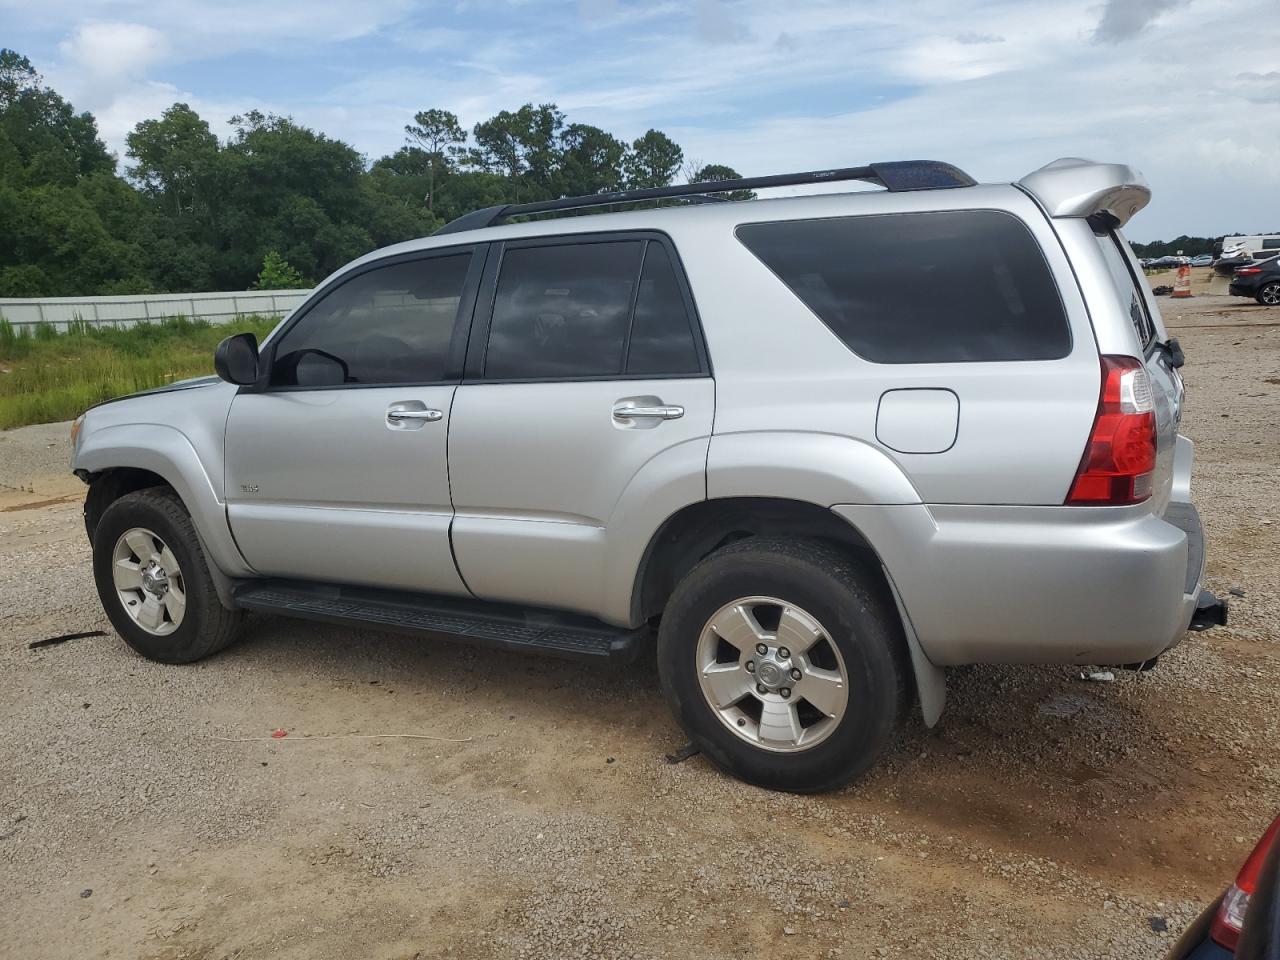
(1072, 187)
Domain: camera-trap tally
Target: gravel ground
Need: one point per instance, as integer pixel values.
(1045, 817)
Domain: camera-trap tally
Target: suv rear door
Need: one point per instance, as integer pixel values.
(586, 364)
(336, 465)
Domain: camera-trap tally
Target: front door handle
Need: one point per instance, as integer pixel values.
(411, 415)
(630, 409)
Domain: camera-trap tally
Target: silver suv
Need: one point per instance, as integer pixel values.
(818, 448)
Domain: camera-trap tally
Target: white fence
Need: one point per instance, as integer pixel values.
(125, 311)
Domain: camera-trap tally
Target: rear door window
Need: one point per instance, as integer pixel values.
(562, 311)
(940, 287)
(589, 309)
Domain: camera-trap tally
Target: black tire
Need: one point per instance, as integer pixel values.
(848, 601)
(1272, 290)
(206, 626)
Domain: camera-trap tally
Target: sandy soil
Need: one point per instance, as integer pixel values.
(1045, 817)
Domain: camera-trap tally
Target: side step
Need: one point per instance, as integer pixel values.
(489, 624)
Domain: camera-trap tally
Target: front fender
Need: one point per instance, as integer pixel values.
(818, 468)
(166, 452)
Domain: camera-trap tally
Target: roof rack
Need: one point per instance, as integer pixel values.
(897, 176)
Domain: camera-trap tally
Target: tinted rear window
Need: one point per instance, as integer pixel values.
(661, 338)
(946, 287)
(562, 311)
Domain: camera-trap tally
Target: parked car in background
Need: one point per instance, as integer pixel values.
(1220, 930)
(1256, 245)
(1204, 260)
(1164, 263)
(1259, 280)
(706, 427)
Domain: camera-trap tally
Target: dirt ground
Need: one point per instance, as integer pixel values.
(1045, 817)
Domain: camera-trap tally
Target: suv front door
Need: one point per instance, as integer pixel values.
(585, 368)
(336, 464)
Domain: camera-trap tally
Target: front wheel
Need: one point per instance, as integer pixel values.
(1269, 295)
(154, 581)
(784, 663)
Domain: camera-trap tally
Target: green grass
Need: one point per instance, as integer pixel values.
(48, 375)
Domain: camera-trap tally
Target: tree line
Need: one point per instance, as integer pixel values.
(276, 203)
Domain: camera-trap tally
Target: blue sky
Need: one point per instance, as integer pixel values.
(1187, 90)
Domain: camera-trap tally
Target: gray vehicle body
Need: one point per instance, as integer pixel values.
(537, 493)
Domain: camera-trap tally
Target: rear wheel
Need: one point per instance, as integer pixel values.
(1269, 295)
(154, 582)
(784, 663)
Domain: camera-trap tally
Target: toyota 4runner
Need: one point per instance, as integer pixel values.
(817, 449)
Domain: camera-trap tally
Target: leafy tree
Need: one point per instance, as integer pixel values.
(276, 274)
(53, 194)
(522, 145)
(1191, 246)
(175, 161)
(438, 134)
(590, 161)
(49, 140)
(653, 161)
(718, 171)
(275, 203)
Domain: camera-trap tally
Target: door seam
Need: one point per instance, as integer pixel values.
(448, 474)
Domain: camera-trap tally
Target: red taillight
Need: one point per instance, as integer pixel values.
(1120, 458)
(1225, 929)
(1247, 271)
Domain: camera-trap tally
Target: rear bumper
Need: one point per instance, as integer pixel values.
(1080, 585)
(1243, 289)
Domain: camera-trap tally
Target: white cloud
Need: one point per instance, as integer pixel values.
(111, 52)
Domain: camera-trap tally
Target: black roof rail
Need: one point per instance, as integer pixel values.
(897, 176)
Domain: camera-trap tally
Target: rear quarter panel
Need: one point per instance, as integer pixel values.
(1022, 425)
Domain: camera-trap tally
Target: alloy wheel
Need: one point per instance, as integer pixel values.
(772, 674)
(149, 581)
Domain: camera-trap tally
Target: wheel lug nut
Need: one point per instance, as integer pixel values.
(761, 688)
(785, 692)
(761, 649)
(751, 666)
(784, 653)
(795, 674)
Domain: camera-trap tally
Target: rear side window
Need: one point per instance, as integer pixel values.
(945, 287)
(589, 309)
(661, 337)
(1125, 284)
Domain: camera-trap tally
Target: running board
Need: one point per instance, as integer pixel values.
(504, 626)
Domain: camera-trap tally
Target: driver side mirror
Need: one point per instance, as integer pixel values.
(236, 359)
